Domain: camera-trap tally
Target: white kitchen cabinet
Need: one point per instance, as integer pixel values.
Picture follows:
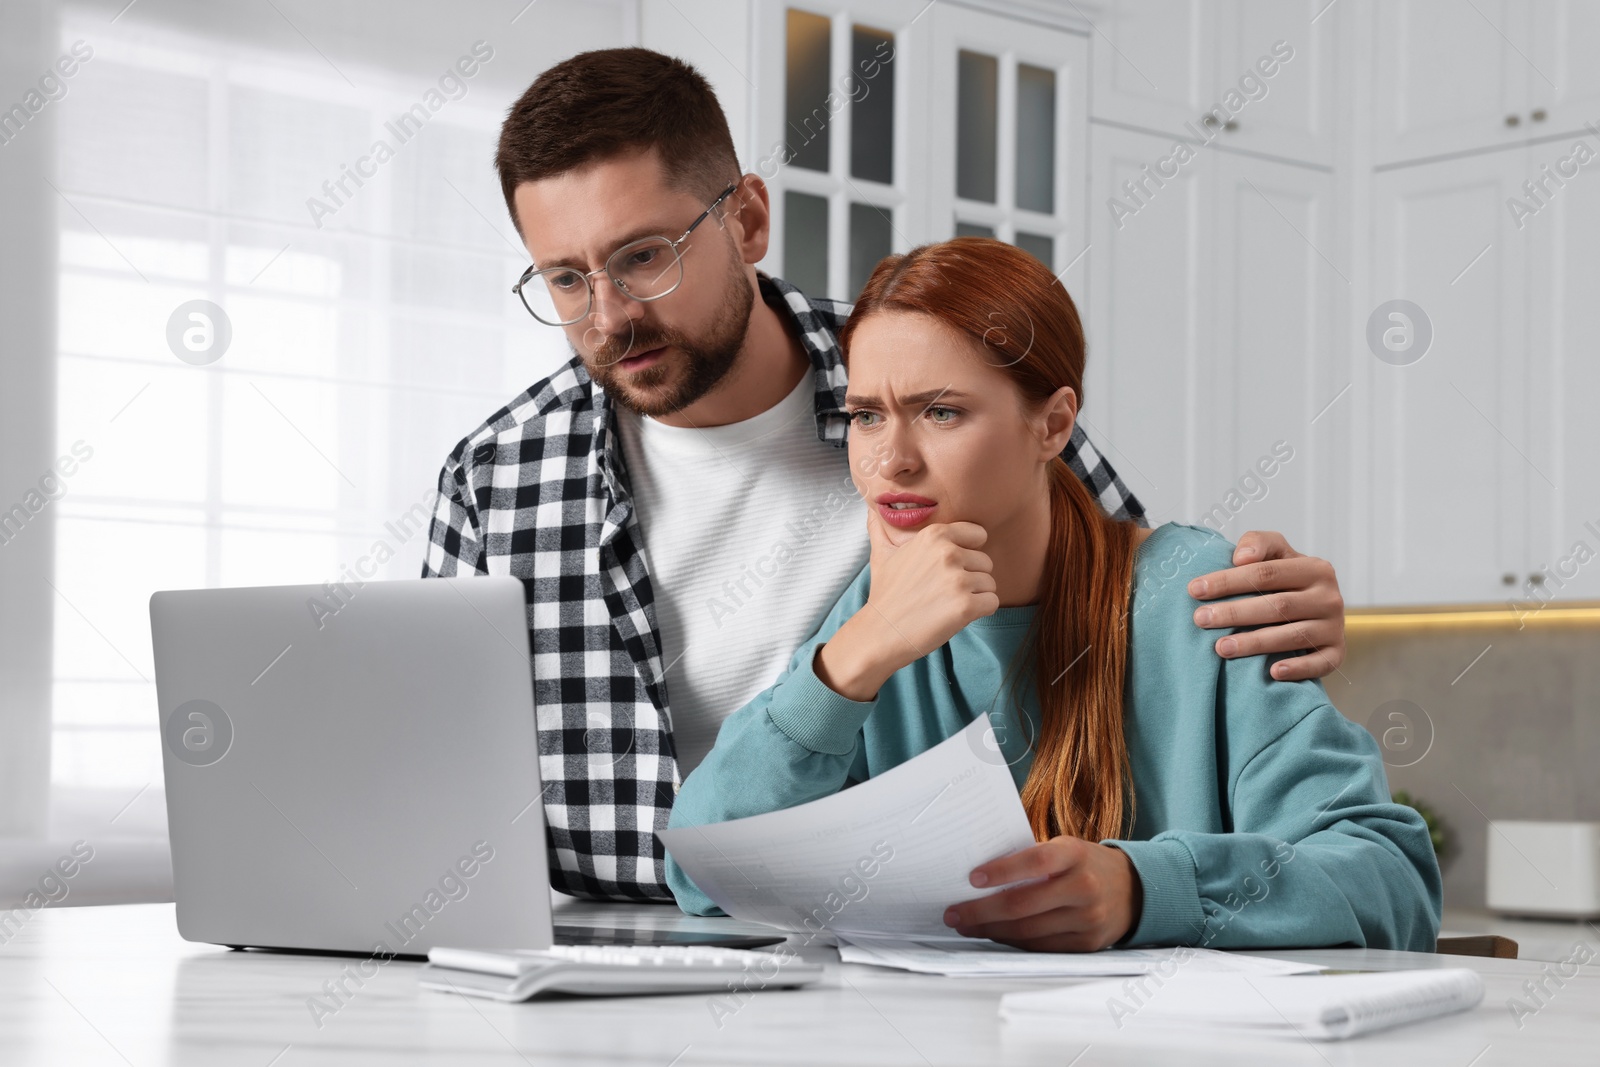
(1275, 430)
(1484, 480)
(1226, 302)
(1564, 84)
(1450, 453)
(1498, 74)
(1153, 63)
(1563, 375)
(1213, 318)
(1446, 79)
(1491, 446)
(1148, 319)
(1294, 118)
(1166, 66)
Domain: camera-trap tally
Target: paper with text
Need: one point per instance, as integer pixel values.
(884, 857)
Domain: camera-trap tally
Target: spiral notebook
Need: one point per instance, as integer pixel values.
(1321, 1006)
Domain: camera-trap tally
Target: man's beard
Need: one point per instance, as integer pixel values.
(700, 364)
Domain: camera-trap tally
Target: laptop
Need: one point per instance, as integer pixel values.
(355, 769)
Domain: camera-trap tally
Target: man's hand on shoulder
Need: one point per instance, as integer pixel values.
(1298, 606)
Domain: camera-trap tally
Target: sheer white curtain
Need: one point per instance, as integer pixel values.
(206, 152)
(27, 382)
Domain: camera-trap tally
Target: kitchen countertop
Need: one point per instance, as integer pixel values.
(117, 985)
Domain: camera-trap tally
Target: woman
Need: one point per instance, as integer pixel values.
(1178, 798)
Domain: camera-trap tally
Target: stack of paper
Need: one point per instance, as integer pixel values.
(967, 958)
(1307, 1006)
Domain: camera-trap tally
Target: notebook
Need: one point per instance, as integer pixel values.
(1321, 1006)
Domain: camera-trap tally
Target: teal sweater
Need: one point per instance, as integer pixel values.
(1263, 815)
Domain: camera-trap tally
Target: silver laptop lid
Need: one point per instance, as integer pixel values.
(353, 769)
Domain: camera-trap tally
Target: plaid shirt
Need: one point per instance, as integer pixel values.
(539, 491)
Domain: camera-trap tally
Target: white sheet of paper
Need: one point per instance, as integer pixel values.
(1319, 1007)
(986, 959)
(935, 817)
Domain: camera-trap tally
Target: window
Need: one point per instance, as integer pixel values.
(372, 325)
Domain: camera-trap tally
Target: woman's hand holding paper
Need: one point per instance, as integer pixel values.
(1073, 896)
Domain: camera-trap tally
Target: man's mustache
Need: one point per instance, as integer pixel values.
(619, 346)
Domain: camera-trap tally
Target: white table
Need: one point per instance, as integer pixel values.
(116, 985)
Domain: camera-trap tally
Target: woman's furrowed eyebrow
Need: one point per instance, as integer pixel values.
(927, 396)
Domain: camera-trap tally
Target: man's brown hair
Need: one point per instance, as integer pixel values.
(602, 104)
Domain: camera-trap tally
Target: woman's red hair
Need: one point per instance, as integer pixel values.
(1022, 321)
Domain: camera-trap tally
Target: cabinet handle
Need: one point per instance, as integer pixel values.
(1209, 120)
(1538, 115)
(1230, 125)
(1512, 120)
(1536, 578)
(1508, 579)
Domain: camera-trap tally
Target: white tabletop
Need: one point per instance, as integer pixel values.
(116, 985)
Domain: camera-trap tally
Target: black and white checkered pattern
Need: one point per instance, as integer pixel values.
(539, 491)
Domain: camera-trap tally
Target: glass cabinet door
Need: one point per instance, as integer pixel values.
(1010, 163)
(882, 124)
(840, 137)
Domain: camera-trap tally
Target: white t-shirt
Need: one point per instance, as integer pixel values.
(751, 532)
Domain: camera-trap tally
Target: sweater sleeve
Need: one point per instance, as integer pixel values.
(1319, 854)
(795, 742)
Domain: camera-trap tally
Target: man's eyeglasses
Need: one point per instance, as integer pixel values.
(646, 269)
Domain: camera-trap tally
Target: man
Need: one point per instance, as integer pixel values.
(678, 494)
